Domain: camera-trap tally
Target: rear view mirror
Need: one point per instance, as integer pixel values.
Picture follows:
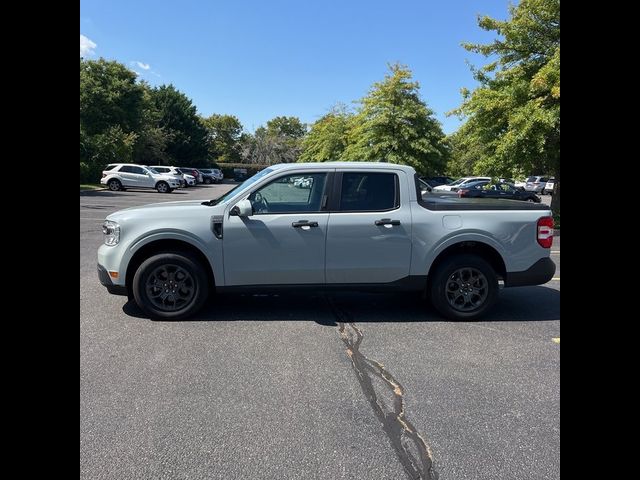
(242, 209)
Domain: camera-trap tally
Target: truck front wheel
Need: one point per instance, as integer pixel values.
(170, 286)
(463, 287)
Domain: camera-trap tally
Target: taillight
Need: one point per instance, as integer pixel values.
(104, 175)
(462, 192)
(545, 232)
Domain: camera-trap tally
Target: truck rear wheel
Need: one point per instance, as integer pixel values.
(463, 287)
(170, 286)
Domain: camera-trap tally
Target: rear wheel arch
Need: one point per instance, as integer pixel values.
(481, 249)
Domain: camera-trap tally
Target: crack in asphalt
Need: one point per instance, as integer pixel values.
(400, 431)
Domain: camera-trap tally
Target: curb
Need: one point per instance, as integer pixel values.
(92, 190)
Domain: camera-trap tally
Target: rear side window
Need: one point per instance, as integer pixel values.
(109, 167)
(368, 191)
(131, 169)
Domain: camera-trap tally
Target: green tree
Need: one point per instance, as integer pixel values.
(224, 132)
(465, 150)
(279, 142)
(187, 137)
(290, 128)
(515, 112)
(111, 114)
(328, 136)
(153, 138)
(395, 125)
(109, 96)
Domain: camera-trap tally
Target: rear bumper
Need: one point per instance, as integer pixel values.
(105, 280)
(540, 272)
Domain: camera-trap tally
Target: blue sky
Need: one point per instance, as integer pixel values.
(260, 59)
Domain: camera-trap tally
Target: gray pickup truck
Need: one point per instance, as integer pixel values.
(333, 225)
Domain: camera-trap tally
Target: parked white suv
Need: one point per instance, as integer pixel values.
(536, 183)
(118, 176)
(171, 171)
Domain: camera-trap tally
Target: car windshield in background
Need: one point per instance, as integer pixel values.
(240, 188)
(456, 182)
(478, 185)
(152, 170)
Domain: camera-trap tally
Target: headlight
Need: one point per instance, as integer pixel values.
(111, 231)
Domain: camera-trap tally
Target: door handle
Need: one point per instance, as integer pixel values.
(387, 221)
(304, 223)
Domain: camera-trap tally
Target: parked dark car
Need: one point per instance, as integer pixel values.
(484, 189)
(239, 174)
(435, 181)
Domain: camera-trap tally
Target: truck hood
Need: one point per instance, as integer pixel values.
(165, 210)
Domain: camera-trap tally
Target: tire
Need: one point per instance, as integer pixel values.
(207, 181)
(114, 185)
(163, 187)
(179, 303)
(447, 300)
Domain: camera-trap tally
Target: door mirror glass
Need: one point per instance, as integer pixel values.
(242, 209)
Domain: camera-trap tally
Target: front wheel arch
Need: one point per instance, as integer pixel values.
(165, 246)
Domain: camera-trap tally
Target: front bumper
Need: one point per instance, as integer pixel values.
(105, 280)
(540, 272)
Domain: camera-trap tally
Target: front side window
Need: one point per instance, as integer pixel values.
(368, 191)
(290, 194)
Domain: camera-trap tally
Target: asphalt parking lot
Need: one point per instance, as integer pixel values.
(263, 387)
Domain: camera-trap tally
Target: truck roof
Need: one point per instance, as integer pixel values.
(358, 165)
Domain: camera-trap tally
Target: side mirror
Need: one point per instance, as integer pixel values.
(242, 209)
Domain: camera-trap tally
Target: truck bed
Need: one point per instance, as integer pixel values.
(432, 201)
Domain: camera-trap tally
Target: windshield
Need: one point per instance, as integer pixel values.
(152, 170)
(241, 188)
(460, 180)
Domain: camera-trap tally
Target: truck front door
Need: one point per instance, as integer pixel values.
(283, 242)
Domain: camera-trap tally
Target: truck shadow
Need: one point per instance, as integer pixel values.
(520, 304)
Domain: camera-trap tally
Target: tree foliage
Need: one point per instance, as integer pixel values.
(395, 125)
(223, 134)
(187, 141)
(279, 142)
(327, 139)
(109, 96)
(514, 115)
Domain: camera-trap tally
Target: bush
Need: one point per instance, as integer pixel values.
(91, 172)
(252, 169)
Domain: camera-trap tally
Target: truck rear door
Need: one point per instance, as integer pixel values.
(369, 231)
